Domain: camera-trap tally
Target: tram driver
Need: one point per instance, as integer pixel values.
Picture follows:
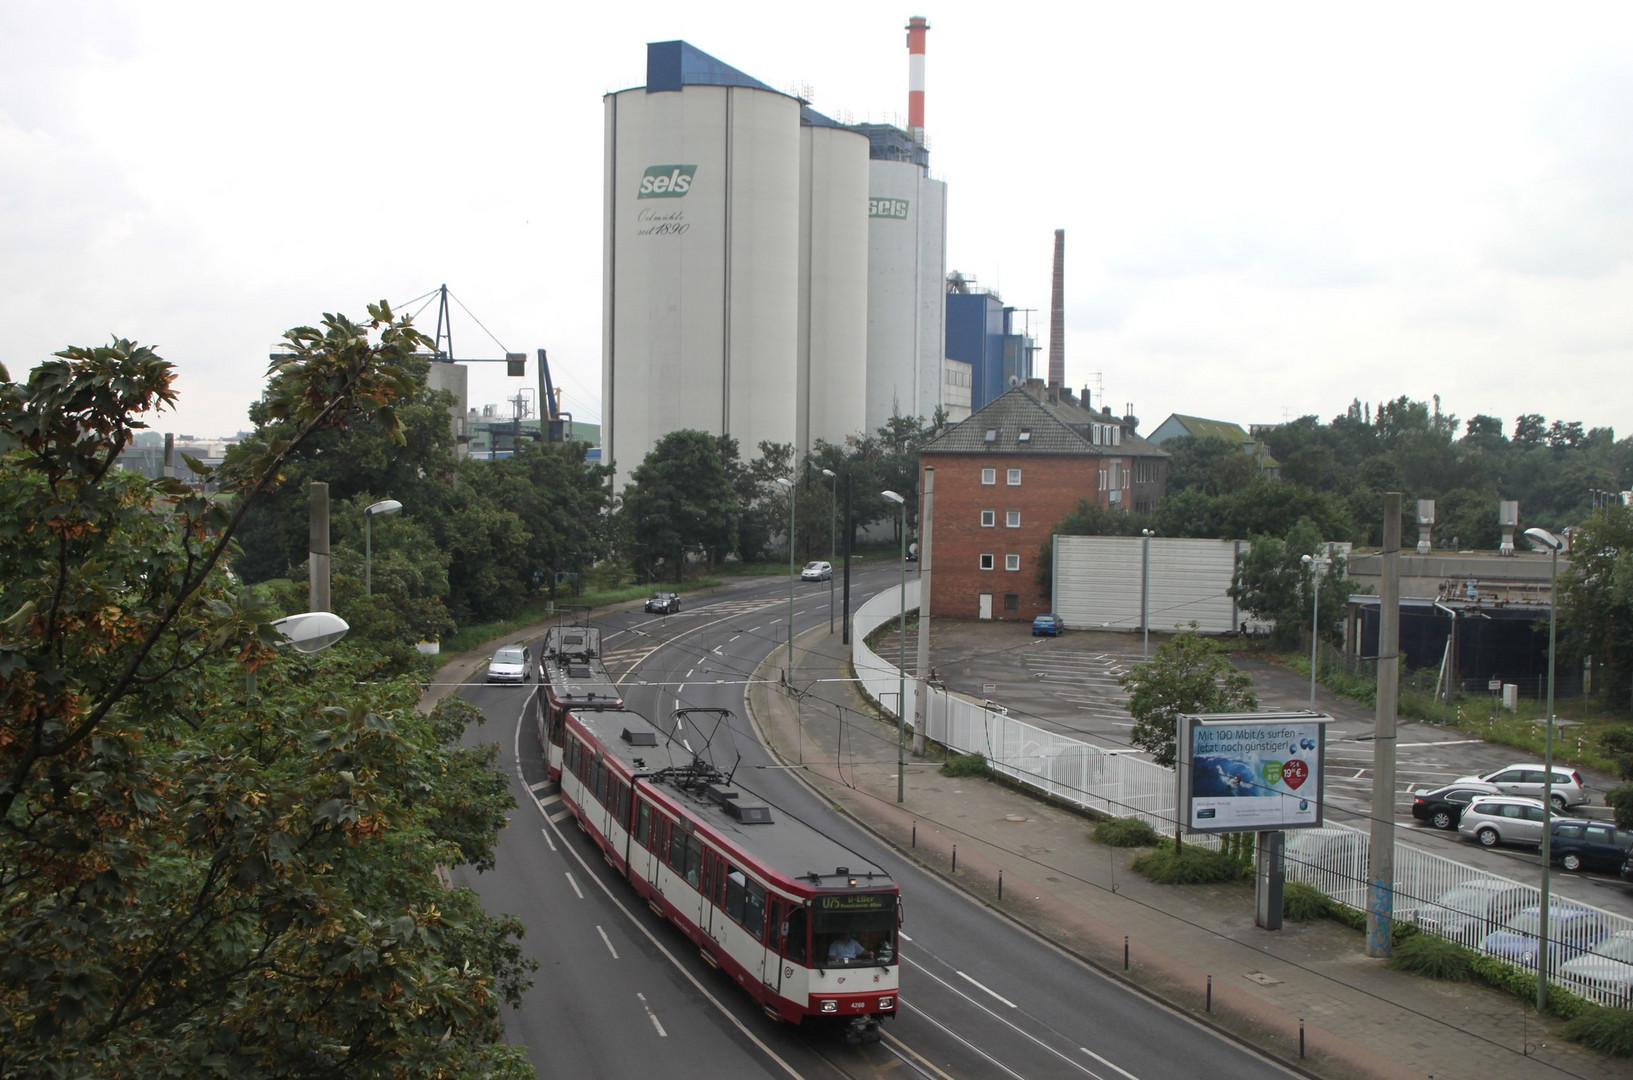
(846, 947)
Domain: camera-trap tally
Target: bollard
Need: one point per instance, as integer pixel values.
(1125, 952)
(915, 834)
(1000, 884)
(1301, 1038)
(1209, 1007)
(955, 858)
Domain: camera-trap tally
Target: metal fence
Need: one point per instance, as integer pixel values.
(1438, 895)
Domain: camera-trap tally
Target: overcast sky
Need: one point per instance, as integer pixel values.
(1270, 209)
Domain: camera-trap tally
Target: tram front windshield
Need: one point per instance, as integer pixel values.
(854, 930)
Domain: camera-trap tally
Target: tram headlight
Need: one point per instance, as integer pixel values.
(829, 1005)
(887, 1002)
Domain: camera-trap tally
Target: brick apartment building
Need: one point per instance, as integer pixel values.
(1005, 477)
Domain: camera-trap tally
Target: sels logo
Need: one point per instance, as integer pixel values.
(666, 181)
(888, 208)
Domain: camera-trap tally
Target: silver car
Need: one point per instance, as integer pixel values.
(513, 663)
(1527, 778)
(1503, 819)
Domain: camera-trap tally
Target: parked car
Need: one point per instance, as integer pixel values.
(1572, 931)
(1466, 913)
(1580, 844)
(663, 603)
(1608, 965)
(513, 663)
(1443, 807)
(1331, 859)
(1502, 819)
(1527, 779)
(817, 571)
(1048, 624)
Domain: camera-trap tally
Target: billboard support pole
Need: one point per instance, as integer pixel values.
(1381, 845)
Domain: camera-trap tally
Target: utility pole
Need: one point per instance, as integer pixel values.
(1381, 850)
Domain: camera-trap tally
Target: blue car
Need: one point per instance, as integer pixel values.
(1047, 624)
(1572, 930)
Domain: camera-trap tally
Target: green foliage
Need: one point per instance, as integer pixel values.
(1303, 902)
(1125, 832)
(1596, 594)
(679, 501)
(966, 765)
(1602, 1030)
(1188, 674)
(1618, 743)
(197, 880)
(1188, 865)
(1433, 957)
(1620, 800)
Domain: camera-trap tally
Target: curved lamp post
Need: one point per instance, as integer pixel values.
(384, 506)
(308, 632)
(1318, 567)
(833, 513)
(1145, 593)
(1543, 540)
(901, 660)
(788, 677)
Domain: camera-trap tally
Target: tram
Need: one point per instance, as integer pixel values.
(803, 924)
(573, 677)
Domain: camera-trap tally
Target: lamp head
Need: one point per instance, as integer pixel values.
(829, 473)
(384, 506)
(891, 496)
(785, 483)
(312, 631)
(1543, 540)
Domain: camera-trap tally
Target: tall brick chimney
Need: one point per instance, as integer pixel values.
(1057, 320)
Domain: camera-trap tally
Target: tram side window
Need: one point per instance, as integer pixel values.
(745, 902)
(694, 860)
(677, 850)
(569, 756)
(643, 825)
(736, 894)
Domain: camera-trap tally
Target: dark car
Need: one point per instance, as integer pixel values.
(1579, 844)
(1443, 807)
(1048, 624)
(663, 603)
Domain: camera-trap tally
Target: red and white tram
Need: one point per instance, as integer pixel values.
(574, 677)
(791, 914)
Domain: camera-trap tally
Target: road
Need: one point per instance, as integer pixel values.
(621, 993)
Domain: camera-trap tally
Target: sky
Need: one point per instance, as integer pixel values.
(1271, 210)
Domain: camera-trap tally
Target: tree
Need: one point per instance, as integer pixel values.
(679, 500)
(195, 880)
(1187, 675)
(1596, 599)
(1274, 584)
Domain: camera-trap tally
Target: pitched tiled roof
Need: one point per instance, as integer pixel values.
(1203, 428)
(1016, 422)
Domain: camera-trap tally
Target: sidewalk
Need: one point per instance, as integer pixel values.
(1196, 947)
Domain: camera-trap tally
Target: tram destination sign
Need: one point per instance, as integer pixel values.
(1251, 772)
(857, 902)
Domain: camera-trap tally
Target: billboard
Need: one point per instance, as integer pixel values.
(1251, 772)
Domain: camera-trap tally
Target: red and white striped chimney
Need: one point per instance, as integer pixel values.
(917, 27)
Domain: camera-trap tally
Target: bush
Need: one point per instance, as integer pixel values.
(1303, 902)
(1189, 866)
(1125, 832)
(1606, 1031)
(966, 765)
(1434, 957)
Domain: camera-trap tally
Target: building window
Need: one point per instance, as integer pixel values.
(986, 561)
(989, 518)
(1102, 478)
(989, 476)
(1012, 519)
(1012, 602)
(1012, 562)
(1014, 478)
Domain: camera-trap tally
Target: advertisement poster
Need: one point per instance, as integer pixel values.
(1253, 774)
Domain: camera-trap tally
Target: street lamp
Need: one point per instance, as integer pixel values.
(789, 484)
(901, 659)
(308, 632)
(833, 513)
(384, 506)
(1543, 540)
(1317, 567)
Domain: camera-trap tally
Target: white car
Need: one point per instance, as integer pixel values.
(1526, 778)
(817, 571)
(513, 663)
(1502, 819)
(1609, 965)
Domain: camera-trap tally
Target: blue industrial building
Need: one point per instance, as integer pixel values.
(981, 333)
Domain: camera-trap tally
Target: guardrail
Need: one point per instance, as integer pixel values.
(1430, 891)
